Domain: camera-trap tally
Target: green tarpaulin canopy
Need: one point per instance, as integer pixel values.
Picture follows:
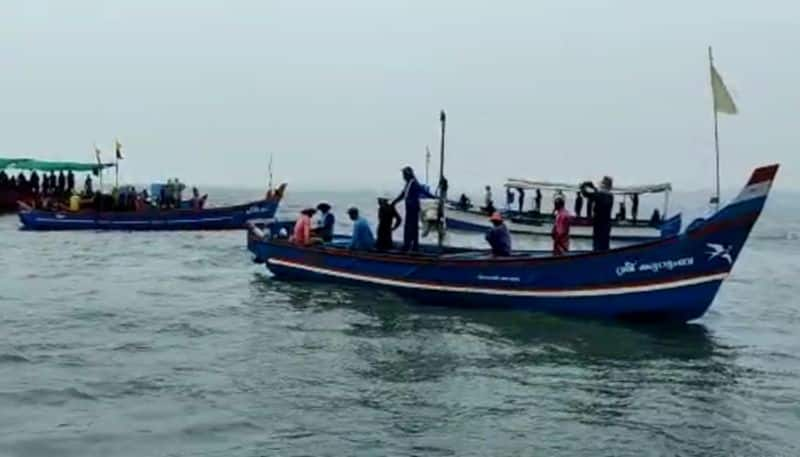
(4, 163)
(48, 165)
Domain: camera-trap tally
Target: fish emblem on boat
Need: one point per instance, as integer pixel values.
(718, 250)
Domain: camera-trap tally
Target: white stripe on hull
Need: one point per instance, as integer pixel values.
(504, 292)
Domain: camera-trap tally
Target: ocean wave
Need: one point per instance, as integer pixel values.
(13, 358)
(48, 397)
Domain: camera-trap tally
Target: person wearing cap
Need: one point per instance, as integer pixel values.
(388, 221)
(362, 239)
(560, 231)
(498, 237)
(411, 194)
(302, 228)
(324, 229)
(601, 203)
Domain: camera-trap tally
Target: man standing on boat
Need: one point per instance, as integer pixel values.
(560, 232)
(388, 221)
(498, 237)
(411, 194)
(509, 198)
(521, 199)
(602, 203)
(578, 204)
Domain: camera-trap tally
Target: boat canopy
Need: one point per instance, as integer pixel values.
(49, 165)
(518, 183)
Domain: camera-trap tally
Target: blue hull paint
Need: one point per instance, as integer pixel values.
(672, 279)
(224, 218)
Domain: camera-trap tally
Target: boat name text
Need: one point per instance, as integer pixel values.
(655, 267)
(498, 278)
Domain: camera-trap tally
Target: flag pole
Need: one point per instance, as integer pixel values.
(716, 124)
(442, 181)
(100, 166)
(116, 163)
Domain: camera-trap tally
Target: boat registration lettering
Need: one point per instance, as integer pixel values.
(498, 278)
(654, 267)
(256, 209)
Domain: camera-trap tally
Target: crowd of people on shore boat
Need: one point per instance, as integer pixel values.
(58, 192)
(597, 197)
(48, 184)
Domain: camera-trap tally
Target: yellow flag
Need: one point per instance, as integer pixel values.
(723, 102)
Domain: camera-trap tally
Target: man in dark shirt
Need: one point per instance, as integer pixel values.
(388, 221)
(578, 204)
(35, 182)
(602, 203)
(327, 221)
(498, 237)
(521, 197)
(70, 181)
(61, 183)
(411, 194)
(635, 206)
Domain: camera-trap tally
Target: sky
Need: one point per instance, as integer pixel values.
(344, 93)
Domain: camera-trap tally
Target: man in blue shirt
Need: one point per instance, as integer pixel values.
(326, 222)
(412, 194)
(362, 239)
(498, 237)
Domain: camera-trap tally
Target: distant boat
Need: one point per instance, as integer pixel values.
(221, 218)
(11, 196)
(671, 279)
(535, 223)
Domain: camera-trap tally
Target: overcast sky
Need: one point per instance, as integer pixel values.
(345, 92)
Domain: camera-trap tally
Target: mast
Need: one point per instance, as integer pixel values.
(442, 181)
(716, 197)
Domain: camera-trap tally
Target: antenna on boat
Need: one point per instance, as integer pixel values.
(427, 163)
(442, 180)
(270, 172)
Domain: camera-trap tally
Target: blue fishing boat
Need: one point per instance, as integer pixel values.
(671, 279)
(221, 218)
(463, 216)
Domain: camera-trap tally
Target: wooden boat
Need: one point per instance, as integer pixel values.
(537, 223)
(222, 218)
(671, 279)
(11, 196)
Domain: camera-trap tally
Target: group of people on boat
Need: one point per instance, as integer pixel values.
(306, 232)
(583, 207)
(389, 219)
(52, 184)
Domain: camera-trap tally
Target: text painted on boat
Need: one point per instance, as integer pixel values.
(498, 278)
(257, 209)
(654, 267)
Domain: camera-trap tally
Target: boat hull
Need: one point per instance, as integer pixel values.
(223, 218)
(670, 279)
